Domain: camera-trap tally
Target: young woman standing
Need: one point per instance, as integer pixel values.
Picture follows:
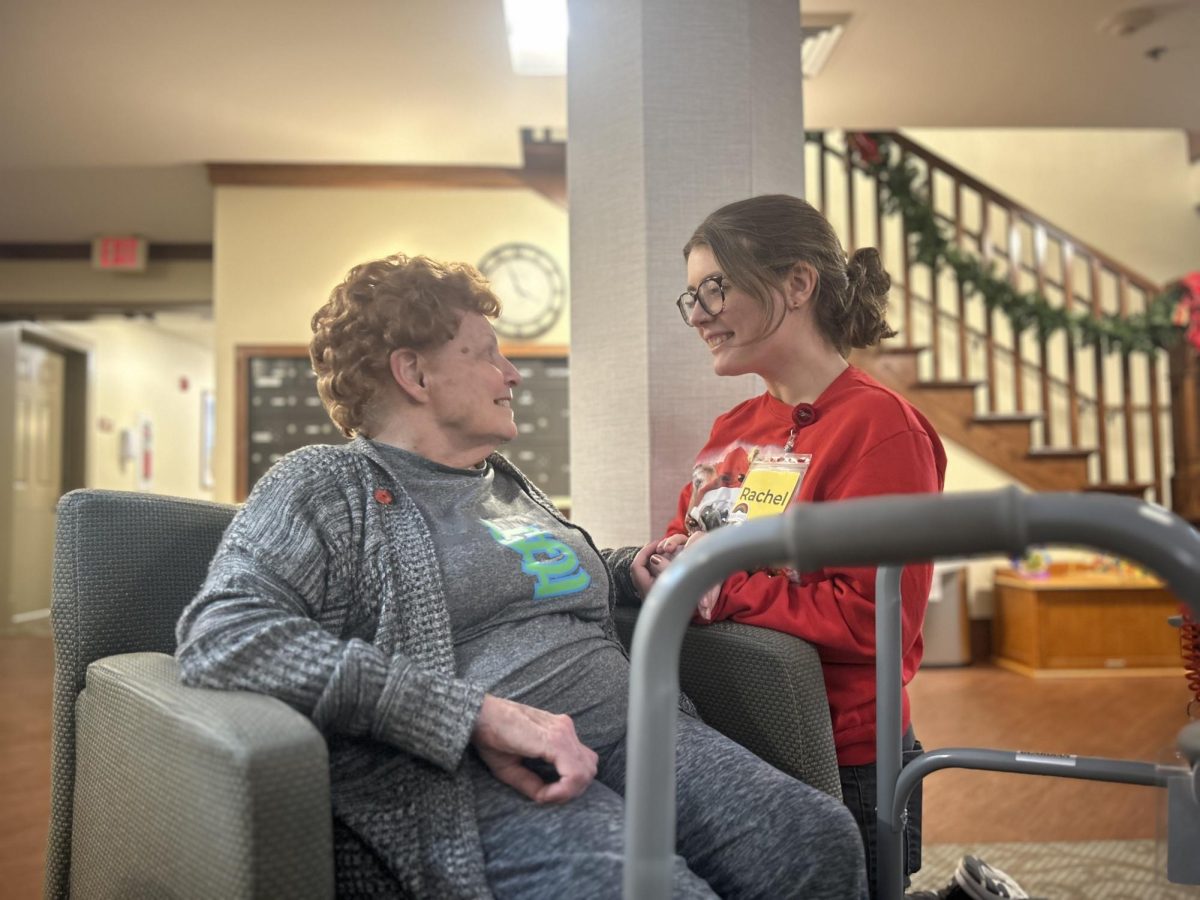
(771, 292)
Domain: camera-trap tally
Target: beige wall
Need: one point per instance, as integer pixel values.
(967, 472)
(279, 251)
(1126, 192)
(136, 367)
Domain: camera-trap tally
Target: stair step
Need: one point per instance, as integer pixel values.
(1006, 418)
(897, 349)
(896, 364)
(1129, 489)
(948, 385)
(1060, 453)
(950, 407)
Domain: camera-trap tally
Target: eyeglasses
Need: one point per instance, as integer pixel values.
(709, 293)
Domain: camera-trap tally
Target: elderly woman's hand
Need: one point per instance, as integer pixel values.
(507, 733)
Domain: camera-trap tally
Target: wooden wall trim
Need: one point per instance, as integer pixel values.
(77, 250)
(355, 176)
(544, 171)
(538, 351)
(546, 181)
(83, 310)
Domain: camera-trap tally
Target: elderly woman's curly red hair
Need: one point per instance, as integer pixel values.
(381, 306)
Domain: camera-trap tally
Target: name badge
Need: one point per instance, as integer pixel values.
(770, 486)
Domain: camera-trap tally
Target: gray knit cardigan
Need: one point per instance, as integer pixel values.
(326, 592)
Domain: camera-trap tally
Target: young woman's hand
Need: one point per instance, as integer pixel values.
(507, 733)
(708, 603)
(670, 545)
(650, 561)
(639, 570)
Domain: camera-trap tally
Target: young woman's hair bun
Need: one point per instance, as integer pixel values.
(866, 300)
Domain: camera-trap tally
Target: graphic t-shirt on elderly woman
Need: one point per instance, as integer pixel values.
(526, 595)
(858, 439)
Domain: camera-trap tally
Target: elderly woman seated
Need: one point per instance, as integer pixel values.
(450, 634)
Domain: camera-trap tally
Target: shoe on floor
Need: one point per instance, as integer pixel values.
(975, 880)
(980, 881)
(950, 892)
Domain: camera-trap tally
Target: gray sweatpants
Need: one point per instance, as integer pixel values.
(744, 829)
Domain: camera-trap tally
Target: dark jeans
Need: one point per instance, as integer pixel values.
(859, 792)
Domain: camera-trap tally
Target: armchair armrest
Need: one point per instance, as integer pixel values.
(186, 777)
(762, 688)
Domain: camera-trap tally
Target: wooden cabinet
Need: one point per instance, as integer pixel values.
(1078, 620)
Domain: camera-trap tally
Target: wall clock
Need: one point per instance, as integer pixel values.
(531, 287)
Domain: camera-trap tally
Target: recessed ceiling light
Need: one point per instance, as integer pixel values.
(537, 36)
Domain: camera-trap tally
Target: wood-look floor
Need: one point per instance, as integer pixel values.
(1123, 717)
(26, 680)
(981, 706)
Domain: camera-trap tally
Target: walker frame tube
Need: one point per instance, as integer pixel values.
(897, 781)
(868, 531)
(654, 705)
(889, 746)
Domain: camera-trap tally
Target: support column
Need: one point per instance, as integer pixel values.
(673, 109)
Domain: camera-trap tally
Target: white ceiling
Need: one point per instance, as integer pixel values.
(109, 110)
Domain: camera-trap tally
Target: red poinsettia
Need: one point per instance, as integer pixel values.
(1187, 311)
(865, 147)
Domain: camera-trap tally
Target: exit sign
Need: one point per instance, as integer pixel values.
(119, 254)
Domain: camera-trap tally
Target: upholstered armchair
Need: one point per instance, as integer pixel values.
(161, 790)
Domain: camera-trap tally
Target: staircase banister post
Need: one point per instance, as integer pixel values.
(1185, 431)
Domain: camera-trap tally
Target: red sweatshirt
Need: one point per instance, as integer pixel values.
(860, 440)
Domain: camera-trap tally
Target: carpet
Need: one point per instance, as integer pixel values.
(1062, 870)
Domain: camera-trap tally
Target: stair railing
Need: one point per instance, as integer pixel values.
(1111, 408)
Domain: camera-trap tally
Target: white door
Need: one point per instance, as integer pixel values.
(37, 478)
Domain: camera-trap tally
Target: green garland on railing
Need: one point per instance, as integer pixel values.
(903, 191)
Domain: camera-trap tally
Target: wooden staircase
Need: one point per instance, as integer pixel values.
(1005, 440)
(1054, 415)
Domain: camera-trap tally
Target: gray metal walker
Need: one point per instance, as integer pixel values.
(889, 531)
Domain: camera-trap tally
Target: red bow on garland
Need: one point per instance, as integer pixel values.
(1187, 311)
(866, 147)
